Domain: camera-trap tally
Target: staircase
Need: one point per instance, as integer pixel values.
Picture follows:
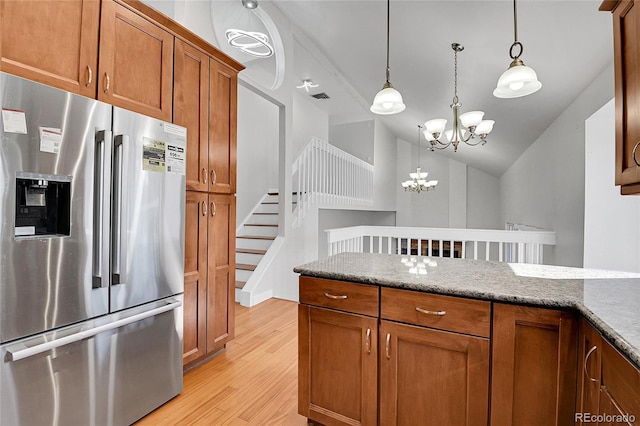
(254, 238)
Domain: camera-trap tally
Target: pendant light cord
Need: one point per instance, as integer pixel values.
(455, 76)
(388, 26)
(419, 148)
(515, 22)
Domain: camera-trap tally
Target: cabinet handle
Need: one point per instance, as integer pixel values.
(213, 208)
(204, 208)
(586, 360)
(331, 296)
(368, 341)
(635, 151)
(204, 175)
(438, 313)
(89, 76)
(214, 176)
(108, 82)
(388, 346)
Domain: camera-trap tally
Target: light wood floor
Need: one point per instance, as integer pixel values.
(253, 382)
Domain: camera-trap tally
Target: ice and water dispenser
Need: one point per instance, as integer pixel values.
(43, 204)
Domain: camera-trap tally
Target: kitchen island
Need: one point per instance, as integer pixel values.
(476, 341)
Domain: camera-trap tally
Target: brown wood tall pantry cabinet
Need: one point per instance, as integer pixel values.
(127, 54)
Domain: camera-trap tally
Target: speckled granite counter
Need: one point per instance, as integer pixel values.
(609, 300)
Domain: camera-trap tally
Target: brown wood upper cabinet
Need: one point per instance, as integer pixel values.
(52, 42)
(129, 65)
(533, 376)
(136, 62)
(626, 37)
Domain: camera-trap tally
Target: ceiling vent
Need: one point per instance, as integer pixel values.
(320, 96)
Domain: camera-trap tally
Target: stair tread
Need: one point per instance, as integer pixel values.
(265, 213)
(262, 224)
(269, 202)
(245, 267)
(250, 251)
(256, 237)
(240, 284)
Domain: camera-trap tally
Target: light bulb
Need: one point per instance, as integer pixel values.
(516, 85)
(387, 105)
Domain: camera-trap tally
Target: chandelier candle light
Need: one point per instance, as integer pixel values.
(388, 100)
(418, 182)
(472, 120)
(518, 80)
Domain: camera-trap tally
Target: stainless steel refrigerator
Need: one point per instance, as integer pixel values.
(91, 259)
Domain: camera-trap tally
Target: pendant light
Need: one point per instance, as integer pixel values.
(518, 80)
(388, 100)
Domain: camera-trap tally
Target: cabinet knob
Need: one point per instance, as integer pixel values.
(586, 360)
(213, 208)
(214, 176)
(204, 208)
(635, 152)
(89, 76)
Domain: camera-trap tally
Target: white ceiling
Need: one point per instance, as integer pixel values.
(568, 43)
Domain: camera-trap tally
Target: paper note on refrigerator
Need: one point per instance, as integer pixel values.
(153, 155)
(50, 139)
(14, 121)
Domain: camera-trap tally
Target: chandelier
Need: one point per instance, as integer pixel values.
(472, 120)
(418, 182)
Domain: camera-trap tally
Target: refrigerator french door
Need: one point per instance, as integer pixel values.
(91, 258)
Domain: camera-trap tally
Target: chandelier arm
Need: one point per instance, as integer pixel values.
(481, 141)
(444, 145)
(470, 136)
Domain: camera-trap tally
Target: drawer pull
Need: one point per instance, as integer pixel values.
(635, 151)
(331, 296)
(388, 346)
(438, 313)
(586, 360)
(368, 341)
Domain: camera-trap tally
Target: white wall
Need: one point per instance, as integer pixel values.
(611, 221)
(258, 146)
(384, 164)
(356, 138)
(483, 200)
(545, 186)
(308, 121)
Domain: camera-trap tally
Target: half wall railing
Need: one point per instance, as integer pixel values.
(325, 174)
(487, 244)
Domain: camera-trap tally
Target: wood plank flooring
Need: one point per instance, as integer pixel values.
(253, 382)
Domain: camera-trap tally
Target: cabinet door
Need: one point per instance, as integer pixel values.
(589, 368)
(533, 378)
(621, 380)
(433, 377)
(191, 110)
(222, 128)
(337, 366)
(626, 26)
(195, 276)
(136, 62)
(221, 278)
(52, 42)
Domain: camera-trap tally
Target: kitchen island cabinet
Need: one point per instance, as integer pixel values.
(528, 315)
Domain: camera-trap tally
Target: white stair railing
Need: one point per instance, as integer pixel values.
(487, 244)
(325, 174)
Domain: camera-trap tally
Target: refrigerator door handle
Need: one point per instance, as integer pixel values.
(22, 352)
(120, 143)
(98, 209)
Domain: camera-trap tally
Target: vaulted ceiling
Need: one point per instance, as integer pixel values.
(568, 43)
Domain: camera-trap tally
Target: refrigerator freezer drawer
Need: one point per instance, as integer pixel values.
(109, 371)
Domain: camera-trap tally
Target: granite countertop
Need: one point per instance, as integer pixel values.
(609, 300)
